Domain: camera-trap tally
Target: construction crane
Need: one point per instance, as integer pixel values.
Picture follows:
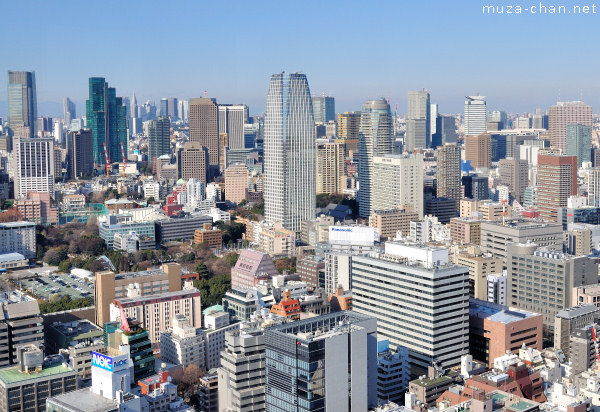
(107, 160)
(124, 159)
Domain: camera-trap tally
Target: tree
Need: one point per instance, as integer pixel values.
(212, 290)
(64, 266)
(123, 265)
(10, 215)
(232, 258)
(55, 256)
(202, 270)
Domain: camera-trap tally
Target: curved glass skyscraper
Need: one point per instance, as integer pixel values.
(289, 151)
(374, 139)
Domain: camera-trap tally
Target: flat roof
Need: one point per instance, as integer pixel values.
(11, 375)
(498, 313)
(84, 400)
(141, 273)
(575, 311)
(158, 297)
(17, 224)
(11, 257)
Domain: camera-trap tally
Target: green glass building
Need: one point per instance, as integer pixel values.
(106, 117)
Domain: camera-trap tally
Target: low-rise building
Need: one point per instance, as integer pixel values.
(568, 320)
(180, 228)
(465, 230)
(389, 222)
(183, 344)
(311, 270)
(213, 237)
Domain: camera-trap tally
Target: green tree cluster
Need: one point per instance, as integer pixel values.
(212, 290)
(64, 303)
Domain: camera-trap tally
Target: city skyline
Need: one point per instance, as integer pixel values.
(246, 59)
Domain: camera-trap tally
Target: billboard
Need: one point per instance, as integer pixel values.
(353, 235)
(108, 363)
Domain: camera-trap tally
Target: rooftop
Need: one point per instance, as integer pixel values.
(10, 257)
(161, 297)
(80, 328)
(431, 382)
(17, 224)
(12, 375)
(576, 311)
(498, 313)
(150, 272)
(84, 400)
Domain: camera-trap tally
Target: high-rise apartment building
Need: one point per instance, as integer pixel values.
(159, 137)
(232, 119)
(579, 142)
(327, 362)
(475, 121)
(33, 166)
(399, 183)
(289, 152)
(556, 182)
(204, 127)
(594, 187)
(80, 159)
(330, 162)
(542, 280)
(478, 150)
(192, 162)
(22, 103)
(562, 114)
(514, 174)
(375, 139)
(69, 112)
(348, 126)
(420, 301)
(324, 109)
(418, 120)
(448, 173)
(18, 237)
(106, 117)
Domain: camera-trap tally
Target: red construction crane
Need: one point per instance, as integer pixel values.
(124, 159)
(107, 160)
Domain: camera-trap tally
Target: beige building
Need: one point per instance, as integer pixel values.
(398, 182)
(73, 203)
(389, 222)
(236, 183)
(562, 114)
(478, 149)
(154, 312)
(348, 124)
(493, 211)
(514, 174)
(480, 266)
(468, 207)
(448, 175)
(330, 164)
(109, 286)
(579, 242)
(192, 162)
(204, 126)
(275, 240)
(223, 145)
(465, 230)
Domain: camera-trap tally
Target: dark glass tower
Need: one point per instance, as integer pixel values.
(159, 139)
(107, 119)
(22, 103)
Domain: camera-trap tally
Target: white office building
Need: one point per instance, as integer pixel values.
(18, 237)
(399, 182)
(475, 121)
(231, 121)
(420, 300)
(33, 166)
(183, 344)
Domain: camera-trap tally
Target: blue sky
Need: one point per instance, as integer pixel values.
(349, 49)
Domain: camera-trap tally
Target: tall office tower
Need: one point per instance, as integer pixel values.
(594, 187)
(547, 275)
(445, 131)
(289, 159)
(412, 290)
(562, 114)
(375, 139)
(418, 121)
(172, 107)
(106, 118)
(514, 174)
(133, 109)
(164, 107)
(579, 142)
(69, 112)
(399, 183)
(476, 187)
(556, 181)
(433, 115)
(159, 137)
(192, 162)
(231, 121)
(475, 120)
(448, 173)
(182, 110)
(330, 163)
(33, 166)
(328, 362)
(22, 103)
(323, 109)
(348, 126)
(204, 126)
(478, 149)
(80, 161)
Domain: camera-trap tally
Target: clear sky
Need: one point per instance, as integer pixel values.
(352, 50)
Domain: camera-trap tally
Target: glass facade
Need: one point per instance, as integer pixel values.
(289, 152)
(22, 101)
